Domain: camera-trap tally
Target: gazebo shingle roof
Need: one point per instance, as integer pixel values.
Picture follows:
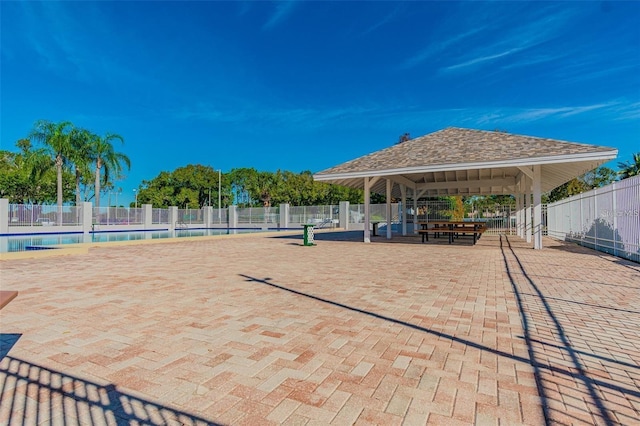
(459, 146)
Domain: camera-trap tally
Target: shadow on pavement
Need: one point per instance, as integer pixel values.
(61, 398)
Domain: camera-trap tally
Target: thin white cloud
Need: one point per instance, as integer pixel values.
(394, 117)
(618, 110)
(385, 20)
(535, 114)
(436, 47)
(283, 10)
(508, 40)
(627, 111)
(402, 118)
(255, 115)
(534, 60)
(480, 60)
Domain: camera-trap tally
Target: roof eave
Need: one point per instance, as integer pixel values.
(555, 159)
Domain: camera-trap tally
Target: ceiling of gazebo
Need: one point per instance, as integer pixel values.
(457, 161)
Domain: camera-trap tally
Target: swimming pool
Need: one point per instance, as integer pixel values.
(10, 244)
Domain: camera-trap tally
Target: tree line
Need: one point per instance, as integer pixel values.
(58, 162)
(196, 186)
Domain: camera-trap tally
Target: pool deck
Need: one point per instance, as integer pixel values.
(263, 330)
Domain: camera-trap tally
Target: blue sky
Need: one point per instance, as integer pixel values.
(304, 85)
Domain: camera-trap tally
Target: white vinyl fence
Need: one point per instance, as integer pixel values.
(377, 213)
(319, 215)
(43, 215)
(117, 216)
(605, 219)
(258, 215)
(190, 217)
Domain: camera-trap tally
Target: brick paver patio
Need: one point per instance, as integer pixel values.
(262, 330)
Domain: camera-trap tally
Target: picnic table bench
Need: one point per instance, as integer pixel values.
(453, 229)
(6, 297)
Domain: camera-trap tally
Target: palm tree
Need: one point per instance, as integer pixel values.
(630, 168)
(80, 156)
(105, 157)
(56, 138)
(36, 164)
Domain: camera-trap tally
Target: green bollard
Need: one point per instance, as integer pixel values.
(308, 235)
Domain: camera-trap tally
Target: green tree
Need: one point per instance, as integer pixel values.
(265, 186)
(80, 156)
(107, 160)
(28, 176)
(630, 168)
(191, 186)
(602, 176)
(56, 138)
(596, 178)
(246, 187)
(241, 183)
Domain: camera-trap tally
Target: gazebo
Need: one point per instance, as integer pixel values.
(457, 161)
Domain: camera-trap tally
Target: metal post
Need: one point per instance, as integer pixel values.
(219, 195)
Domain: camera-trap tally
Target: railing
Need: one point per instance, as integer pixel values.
(434, 210)
(258, 215)
(43, 215)
(321, 215)
(159, 216)
(117, 216)
(605, 219)
(191, 216)
(377, 213)
(220, 216)
(356, 213)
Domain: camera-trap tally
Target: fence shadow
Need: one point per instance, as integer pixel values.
(34, 394)
(539, 312)
(575, 372)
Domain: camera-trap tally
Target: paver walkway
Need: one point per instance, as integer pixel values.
(265, 331)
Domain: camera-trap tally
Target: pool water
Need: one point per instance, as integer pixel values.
(48, 241)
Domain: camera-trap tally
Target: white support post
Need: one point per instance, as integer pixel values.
(403, 204)
(521, 218)
(527, 211)
(147, 216)
(87, 217)
(517, 197)
(343, 215)
(367, 219)
(415, 209)
(4, 215)
(173, 217)
(4, 224)
(537, 207)
(208, 216)
(389, 217)
(284, 216)
(233, 217)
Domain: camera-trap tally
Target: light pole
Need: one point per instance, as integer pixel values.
(135, 192)
(219, 195)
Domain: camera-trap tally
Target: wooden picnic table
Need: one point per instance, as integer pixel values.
(6, 297)
(453, 228)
